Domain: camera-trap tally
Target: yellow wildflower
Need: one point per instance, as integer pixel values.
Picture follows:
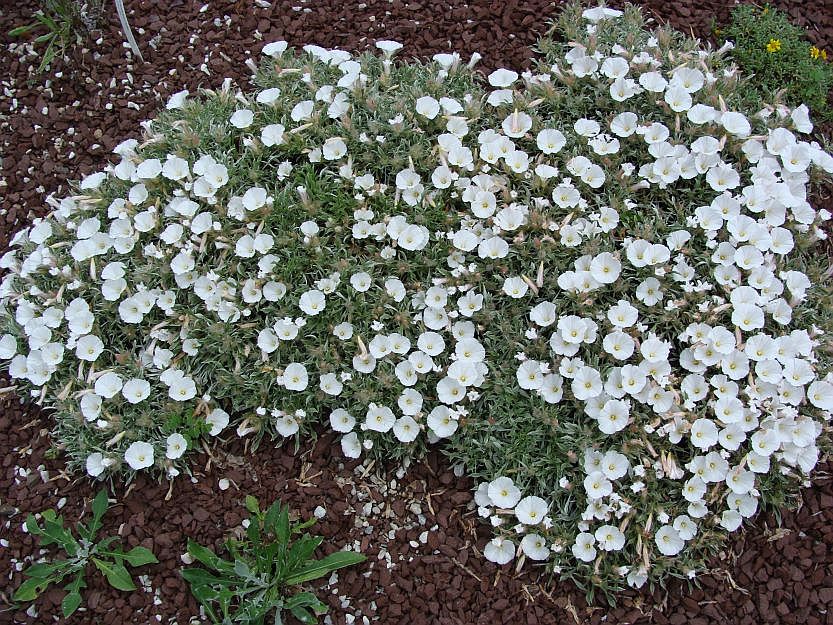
(774, 45)
(815, 52)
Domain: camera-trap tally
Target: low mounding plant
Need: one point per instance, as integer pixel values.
(265, 570)
(779, 56)
(598, 281)
(109, 559)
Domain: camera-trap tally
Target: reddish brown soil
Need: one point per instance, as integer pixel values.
(48, 133)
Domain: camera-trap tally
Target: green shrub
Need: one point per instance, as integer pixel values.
(778, 56)
(599, 282)
(265, 572)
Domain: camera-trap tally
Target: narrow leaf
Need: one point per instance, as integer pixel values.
(128, 32)
(319, 568)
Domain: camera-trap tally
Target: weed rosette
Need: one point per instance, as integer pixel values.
(599, 283)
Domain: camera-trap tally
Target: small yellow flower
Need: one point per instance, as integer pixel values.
(814, 52)
(774, 45)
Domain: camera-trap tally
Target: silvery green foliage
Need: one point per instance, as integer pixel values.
(598, 281)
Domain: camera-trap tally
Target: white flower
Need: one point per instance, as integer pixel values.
(535, 547)
(269, 96)
(175, 446)
(499, 550)
(334, 148)
(149, 169)
(668, 540)
(361, 281)
(736, 123)
(272, 135)
(242, 118)
(177, 100)
(389, 47)
(182, 388)
(295, 377)
(605, 268)
(517, 124)
(108, 385)
(583, 548)
(441, 423)
(450, 391)
(312, 302)
(609, 538)
(218, 419)
(503, 493)
(136, 390)
(515, 287)
(95, 464)
(88, 347)
(529, 375)
(379, 418)
(427, 107)
(406, 429)
(139, 455)
(703, 433)
(597, 14)
(286, 425)
(531, 510)
(275, 48)
(341, 421)
(351, 447)
(90, 406)
(596, 485)
(502, 78)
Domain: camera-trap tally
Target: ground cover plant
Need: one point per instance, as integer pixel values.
(107, 556)
(261, 580)
(598, 280)
(781, 59)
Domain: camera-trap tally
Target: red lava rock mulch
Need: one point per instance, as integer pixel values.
(417, 528)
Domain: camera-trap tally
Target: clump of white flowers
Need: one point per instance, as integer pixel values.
(598, 278)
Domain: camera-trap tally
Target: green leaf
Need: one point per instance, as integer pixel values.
(30, 589)
(45, 569)
(32, 526)
(303, 615)
(302, 550)
(139, 556)
(282, 525)
(100, 504)
(202, 578)
(71, 602)
(252, 504)
(319, 568)
(21, 30)
(208, 557)
(307, 600)
(242, 569)
(116, 574)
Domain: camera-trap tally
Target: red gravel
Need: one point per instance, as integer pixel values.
(784, 574)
